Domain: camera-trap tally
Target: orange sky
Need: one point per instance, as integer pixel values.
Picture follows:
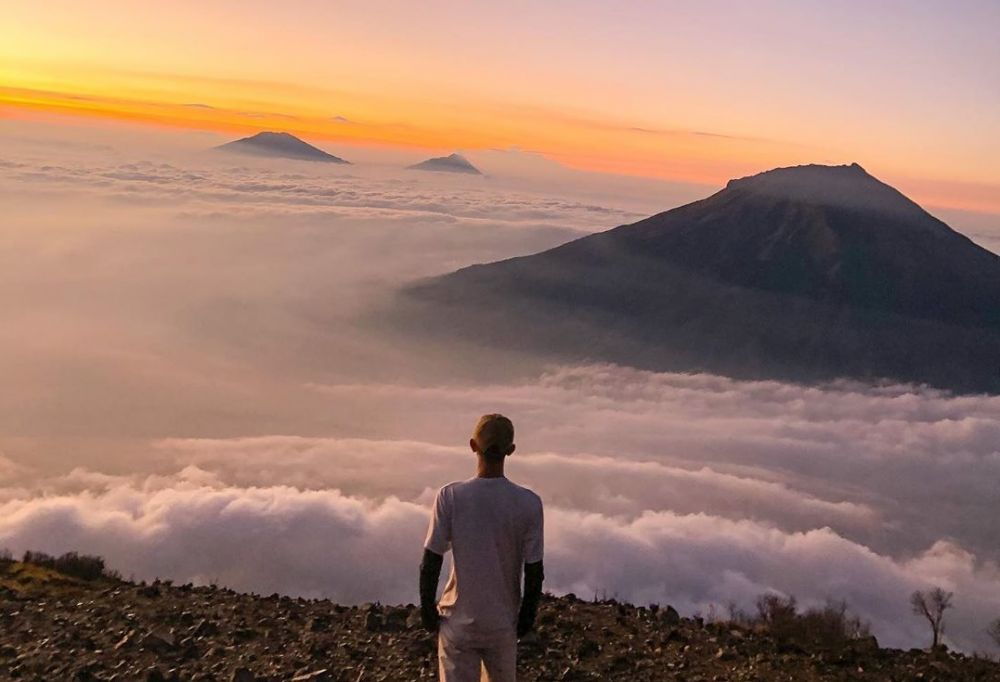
(662, 91)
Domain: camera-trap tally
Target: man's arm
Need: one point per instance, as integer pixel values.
(437, 542)
(534, 574)
(430, 573)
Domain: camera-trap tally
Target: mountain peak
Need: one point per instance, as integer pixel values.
(272, 135)
(453, 163)
(279, 145)
(809, 273)
(846, 186)
(805, 174)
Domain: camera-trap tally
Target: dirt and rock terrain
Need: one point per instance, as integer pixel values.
(55, 627)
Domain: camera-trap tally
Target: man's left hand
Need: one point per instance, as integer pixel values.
(430, 619)
(524, 626)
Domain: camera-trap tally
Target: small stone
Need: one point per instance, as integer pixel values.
(159, 641)
(413, 620)
(318, 624)
(206, 627)
(243, 675)
(373, 621)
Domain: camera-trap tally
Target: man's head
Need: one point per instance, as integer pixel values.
(493, 437)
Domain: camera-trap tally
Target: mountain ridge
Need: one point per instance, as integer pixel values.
(453, 163)
(833, 185)
(775, 276)
(279, 145)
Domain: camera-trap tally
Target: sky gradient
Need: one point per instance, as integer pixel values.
(696, 92)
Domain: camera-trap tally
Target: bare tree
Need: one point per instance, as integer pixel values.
(994, 631)
(931, 605)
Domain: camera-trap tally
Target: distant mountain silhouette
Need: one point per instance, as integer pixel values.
(453, 163)
(807, 273)
(279, 145)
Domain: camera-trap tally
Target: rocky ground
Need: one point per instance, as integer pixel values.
(54, 627)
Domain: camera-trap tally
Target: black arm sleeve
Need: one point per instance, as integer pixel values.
(534, 574)
(430, 573)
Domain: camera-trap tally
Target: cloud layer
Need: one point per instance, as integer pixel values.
(692, 490)
(194, 388)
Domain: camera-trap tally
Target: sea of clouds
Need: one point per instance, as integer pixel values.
(198, 385)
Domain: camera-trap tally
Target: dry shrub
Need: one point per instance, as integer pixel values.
(831, 626)
(83, 566)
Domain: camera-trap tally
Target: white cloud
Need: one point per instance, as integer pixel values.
(192, 375)
(321, 542)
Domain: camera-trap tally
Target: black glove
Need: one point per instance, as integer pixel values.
(525, 624)
(430, 619)
(430, 571)
(534, 574)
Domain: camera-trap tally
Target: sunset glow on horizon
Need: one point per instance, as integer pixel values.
(660, 90)
(731, 271)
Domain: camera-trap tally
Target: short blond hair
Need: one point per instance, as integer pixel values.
(494, 434)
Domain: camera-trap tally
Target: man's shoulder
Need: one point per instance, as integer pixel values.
(449, 488)
(529, 496)
(475, 487)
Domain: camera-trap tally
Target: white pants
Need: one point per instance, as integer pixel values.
(471, 658)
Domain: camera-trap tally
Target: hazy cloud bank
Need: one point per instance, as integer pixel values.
(692, 490)
(189, 390)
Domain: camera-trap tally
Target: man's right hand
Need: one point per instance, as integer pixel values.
(430, 571)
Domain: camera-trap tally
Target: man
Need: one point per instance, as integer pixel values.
(493, 528)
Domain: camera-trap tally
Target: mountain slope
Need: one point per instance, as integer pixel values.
(453, 163)
(279, 145)
(806, 273)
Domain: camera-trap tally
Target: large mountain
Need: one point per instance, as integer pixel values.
(279, 145)
(453, 163)
(808, 273)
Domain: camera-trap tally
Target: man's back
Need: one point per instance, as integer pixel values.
(493, 527)
(494, 530)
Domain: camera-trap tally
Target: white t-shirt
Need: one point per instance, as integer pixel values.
(492, 527)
